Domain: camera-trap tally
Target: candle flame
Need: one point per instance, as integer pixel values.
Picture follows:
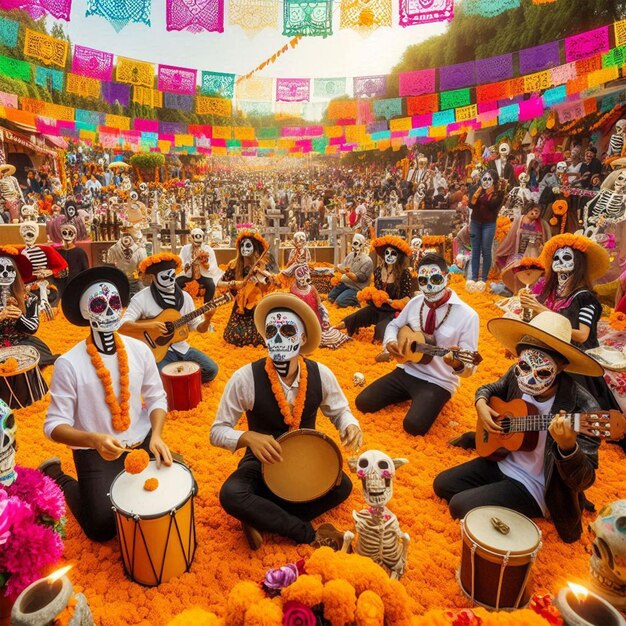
(579, 591)
(59, 573)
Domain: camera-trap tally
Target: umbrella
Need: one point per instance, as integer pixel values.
(120, 164)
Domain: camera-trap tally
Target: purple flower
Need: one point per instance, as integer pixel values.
(281, 577)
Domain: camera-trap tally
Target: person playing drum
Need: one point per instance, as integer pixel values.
(106, 397)
(549, 480)
(280, 393)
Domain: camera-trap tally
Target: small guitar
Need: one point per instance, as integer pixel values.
(177, 329)
(418, 347)
(522, 426)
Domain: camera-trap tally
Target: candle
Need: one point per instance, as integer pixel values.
(581, 607)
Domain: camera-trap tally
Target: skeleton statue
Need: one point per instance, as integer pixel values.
(416, 251)
(503, 167)
(616, 143)
(608, 207)
(422, 174)
(608, 559)
(419, 196)
(8, 428)
(517, 198)
(378, 534)
(126, 254)
(10, 191)
(298, 255)
(561, 176)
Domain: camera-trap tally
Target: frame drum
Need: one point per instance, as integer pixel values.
(156, 529)
(183, 385)
(26, 385)
(310, 468)
(496, 562)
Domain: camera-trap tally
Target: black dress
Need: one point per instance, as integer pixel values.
(77, 262)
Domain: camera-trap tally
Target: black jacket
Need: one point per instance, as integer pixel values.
(565, 479)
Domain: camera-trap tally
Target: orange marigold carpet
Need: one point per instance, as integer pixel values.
(223, 558)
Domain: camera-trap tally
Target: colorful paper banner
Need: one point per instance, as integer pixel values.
(369, 86)
(454, 99)
(118, 14)
(293, 89)
(423, 12)
(92, 63)
(457, 76)
(539, 57)
(178, 101)
(587, 44)
(9, 30)
(48, 78)
(257, 109)
(329, 87)
(134, 72)
(388, 108)
(48, 50)
(82, 86)
(195, 16)
(218, 84)
(365, 14)
(489, 8)
(417, 83)
(147, 97)
(255, 89)
(494, 69)
(253, 15)
(177, 79)
(619, 29)
(310, 18)
(213, 106)
(14, 68)
(116, 92)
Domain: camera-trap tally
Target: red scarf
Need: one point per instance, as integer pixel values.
(431, 319)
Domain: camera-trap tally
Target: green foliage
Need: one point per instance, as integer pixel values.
(147, 161)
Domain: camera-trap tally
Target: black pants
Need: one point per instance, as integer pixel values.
(369, 316)
(427, 399)
(246, 497)
(204, 281)
(88, 497)
(481, 483)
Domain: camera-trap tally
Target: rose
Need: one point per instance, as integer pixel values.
(298, 614)
(280, 577)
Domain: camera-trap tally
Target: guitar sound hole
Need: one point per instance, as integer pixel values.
(414, 347)
(506, 424)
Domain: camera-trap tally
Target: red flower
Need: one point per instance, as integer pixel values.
(298, 614)
(464, 617)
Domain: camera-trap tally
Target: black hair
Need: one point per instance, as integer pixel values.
(494, 174)
(431, 258)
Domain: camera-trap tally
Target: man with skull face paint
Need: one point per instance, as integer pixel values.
(439, 312)
(82, 414)
(277, 396)
(356, 273)
(549, 480)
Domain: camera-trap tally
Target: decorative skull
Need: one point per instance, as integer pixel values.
(561, 167)
(620, 182)
(303, 276)
(563, 261)
(535, 371)
(246, 247)
(523, 180)
(8, 428)
(69, 208)
(101, 305)
(620, 127)
(420, 191)
(358, 242)
(422, 162)
(68, 233)
(134, 196)
(166, 280)
(197, 236)
(391, 255)
(416, 244)
(377, 471)
(283, 335)
(608, 560)
(29, 232)
(299, 240)
(504, 150)
(8, 273)
(358, 379)
(28, 213)
(432, 282)
(487, 180)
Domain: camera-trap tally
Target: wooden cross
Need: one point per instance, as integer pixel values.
(274, 233)
(411, 224)
(152, 232)
(338, 238)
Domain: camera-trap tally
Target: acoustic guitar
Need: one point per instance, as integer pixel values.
(522, 426)
(177, 329)
(418, 347)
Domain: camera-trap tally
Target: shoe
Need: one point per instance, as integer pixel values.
(253, 536)
(470, 286)
(51, 467)
(327, 535)
(480, 286)
(467, 441)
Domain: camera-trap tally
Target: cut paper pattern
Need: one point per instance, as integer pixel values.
(93, 118)
(179, 101)
(256, 89)
(537, 82)
(388, 108)
(117, 121)
(48, 78)
(457, 76)
(116, 92)
(619, 29)
(539, 58)
(310, 18)
(195, 16)
(587, 44)
(489, 8)
(417, 83)
(469, 112)
(147, 96)
(134, 72)
(82, 85)
(420, 105)
(454, 99)
(342, 110)
(177, 79)
(47, 109)
(293, 89)
(425, 11)
(254, 109)
(9, 30)
(92, 63)
(615, 57)
(253, 15)
(494, 69)
(329, 87)
(59, 9)
(369, 86)
(218, 84)
(48, 50)
(213, 106)
(364, 111)
(119, 12)
(563, 73)
(172, 128)
(365, 14)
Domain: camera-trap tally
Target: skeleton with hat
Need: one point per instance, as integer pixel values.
(87, 412)
(10, 191)
(75, 257)
(200, 264)
(356, 274)
(280, 393)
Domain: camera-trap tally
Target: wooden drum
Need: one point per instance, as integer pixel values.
(183, 384)
(156, 529)
(25, 385)
(499, 549)
(310, 468)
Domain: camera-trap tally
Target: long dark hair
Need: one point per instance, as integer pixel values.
(240, 261)
(580, 277)
(398, 267)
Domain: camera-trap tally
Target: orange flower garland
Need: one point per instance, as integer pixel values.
(120, 411)
(153, 259)
(433, 240)
(8, 250)
(151, 484)
(292, 418)
(136, 462)
(394, 242)
(503, 226)
(378, 297)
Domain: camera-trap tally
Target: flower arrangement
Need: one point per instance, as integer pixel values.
(32, 525)
(8, 367)
(433, 240)
(151, 484)
(617, 321)
(378, 297)
(391, 240)
(8, 251)
(136, 462)
(154, 259)
(292, 418)
(503, 226)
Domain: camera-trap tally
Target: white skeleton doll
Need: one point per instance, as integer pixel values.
(417, 251)
(419, 196)
(616, 144)
(378, 534)
(608, 207)
(10, 191)
(298, 255)
(126, 254)
(422, 174)
(517, 198)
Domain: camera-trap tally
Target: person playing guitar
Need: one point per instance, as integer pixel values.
(442, 317)
(163, 294)
(546, 479)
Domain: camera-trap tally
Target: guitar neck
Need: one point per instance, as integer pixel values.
(185, 319)
(536, 423)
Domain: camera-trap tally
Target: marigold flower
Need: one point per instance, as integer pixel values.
(307, 589)
(370, 610)
(136, 461)
(241, 597)
(151, 484)
(339, 599)
(264, 613)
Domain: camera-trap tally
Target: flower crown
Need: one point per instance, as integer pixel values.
(577, 242)
(154, 259)
(251, 234)
(394, 242)
(8, 251)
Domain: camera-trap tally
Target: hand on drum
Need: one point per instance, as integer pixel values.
(108, 447)
(486, 415)
(264, 447)
(352, 437)
(160, 450)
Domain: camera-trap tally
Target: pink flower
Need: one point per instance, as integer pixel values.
(298, 614)
(12, 512)
(40, 492)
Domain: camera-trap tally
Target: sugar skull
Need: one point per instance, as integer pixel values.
(8, 271)
(391, 255)
(561, 167)
(284, 331)
(504, 150)
(102, 306)
(166, 280)
(523, 180)
(563, 261)
(299, 240)
(8, 428)
(68, 233)
(487, 180)
(432, 281)
(535, 371)
(377, 471)
(416, 244)
(358, 243)
(246, 247)
(303, 276)
(29, 232)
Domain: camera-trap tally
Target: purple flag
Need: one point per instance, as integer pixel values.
(417, 83)
(172, 128)
(181, 101)
(116, 92)
(456, 76)
(377, 127)
(92, 63)
(195, 15)
(586, 44)
(293, 89)
(370, 86)
(539, 58)
(494, 69)
(177, 79)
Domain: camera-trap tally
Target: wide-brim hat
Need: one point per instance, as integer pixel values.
(597, 257)
(22, 262)
(517, 265)
(70, 302)
(280, 300)
(550, 330)
(7, 169)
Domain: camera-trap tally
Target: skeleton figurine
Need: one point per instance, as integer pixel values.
(199, 264)
(503, 167)
(608, 207)
(608, 560)
(419, 196)
(616, 144)
(126, 254)
(299, 255)
(416, 251)
(378, 534)
(517, 198)
(11, 195)
(422, 174)
(561, 176)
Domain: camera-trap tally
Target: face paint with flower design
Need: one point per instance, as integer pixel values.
(535, 371)
(432, 282)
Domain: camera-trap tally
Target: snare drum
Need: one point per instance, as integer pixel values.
(25, 385)
(156, 529)
(310, 468)
(499, 549)
(183, 384)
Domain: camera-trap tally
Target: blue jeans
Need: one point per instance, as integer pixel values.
(481, 238)
(342, 295)
(208, 367)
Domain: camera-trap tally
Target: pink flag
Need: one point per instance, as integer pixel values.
(530, 109)
(195, 15)
(417, 83)
(93, 63)
(59, 9)
(587, 44)
(293, 89)
(177, 79)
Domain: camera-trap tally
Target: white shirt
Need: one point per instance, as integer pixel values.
(460, 329)
(527, 467)
(77, 394)
(213, 271)
(143, 306)
(238, 397)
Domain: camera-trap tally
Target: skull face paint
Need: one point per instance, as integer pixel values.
(358, 242)
(432, 282)
(102, 306)
(166, 281)
(535, 371)
(303, 277)
(29, 232)
(391, 256)
(197, 236)
(486, 181)
(8, 273)
(246, 247)
(284, 331)
(68, 233)
(563, 262)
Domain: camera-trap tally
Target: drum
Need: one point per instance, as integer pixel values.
(183, 384)
(25, 385)
(156, 529)
(310, 468)
(499, 549)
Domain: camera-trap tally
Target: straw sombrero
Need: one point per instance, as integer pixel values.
(7, 169)
(280, 300)
(597, 257)
(550, 330)
(520, 264)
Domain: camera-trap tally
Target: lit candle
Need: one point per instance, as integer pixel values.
(581, 607)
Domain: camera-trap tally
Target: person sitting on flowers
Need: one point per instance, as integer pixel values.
(356, 274)
(550, 479)
(437, 311)
(279, 393)
(106, 398)
(199, 261)
(164, 293)
(391, 290)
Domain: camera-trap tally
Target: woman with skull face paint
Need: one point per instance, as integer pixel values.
(549, 480)
(75, 257)
(69, 215)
